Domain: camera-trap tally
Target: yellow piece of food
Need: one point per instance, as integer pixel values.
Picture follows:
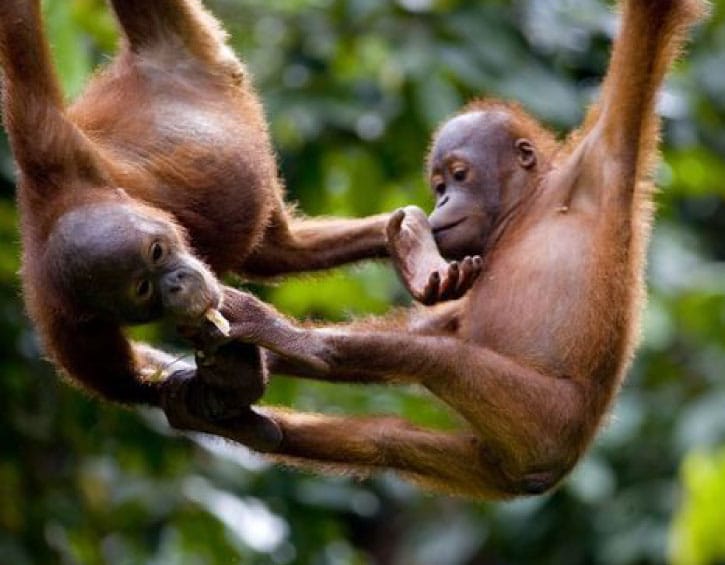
(216, 318)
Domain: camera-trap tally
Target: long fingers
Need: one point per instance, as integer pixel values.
(468, 274)
(186, 405)
(450, 282)
(431, 292)
(456, 279)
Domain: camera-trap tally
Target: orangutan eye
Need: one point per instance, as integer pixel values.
(460, 174)
(439, 185)
(144, 288)
(157, 252)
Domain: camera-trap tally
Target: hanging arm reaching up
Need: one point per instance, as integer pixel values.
(46, 145)
(618, 141)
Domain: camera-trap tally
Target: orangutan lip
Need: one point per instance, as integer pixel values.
(436, 231)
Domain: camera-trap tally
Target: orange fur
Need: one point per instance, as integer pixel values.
(533, 356)
(174, 121)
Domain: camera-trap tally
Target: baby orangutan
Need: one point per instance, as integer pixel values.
(158, 179)
(534, 354)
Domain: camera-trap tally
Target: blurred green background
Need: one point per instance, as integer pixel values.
(352, 90)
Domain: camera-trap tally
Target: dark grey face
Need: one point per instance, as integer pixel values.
(129, 265)
(474, 156)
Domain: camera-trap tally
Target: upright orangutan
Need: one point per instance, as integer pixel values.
(534, 354)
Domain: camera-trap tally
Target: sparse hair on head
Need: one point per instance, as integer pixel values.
(524, 124)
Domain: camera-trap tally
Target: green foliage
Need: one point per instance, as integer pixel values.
(352, 90)
(697, 531)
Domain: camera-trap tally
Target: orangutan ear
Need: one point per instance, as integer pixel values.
(526, 153)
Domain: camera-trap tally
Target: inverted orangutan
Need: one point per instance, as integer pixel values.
(166, 152)
(534, 354)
